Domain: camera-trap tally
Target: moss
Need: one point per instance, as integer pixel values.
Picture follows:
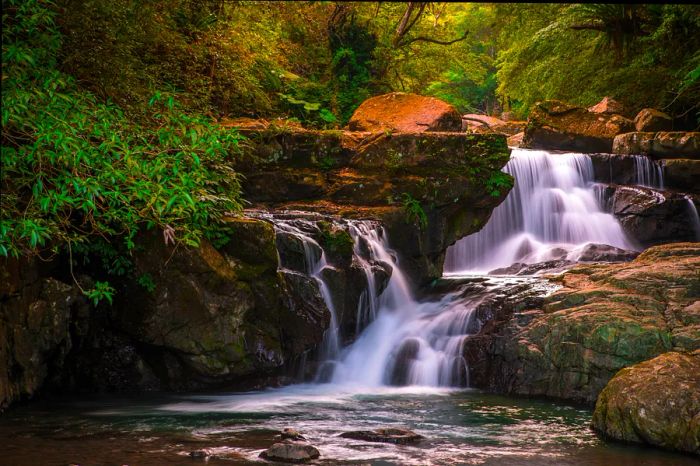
(336, 242)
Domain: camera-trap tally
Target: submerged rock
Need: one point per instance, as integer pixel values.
(200, 454)
(385, 435)
(291, 452)
(655, 402)
(291, 434)
(398, 111)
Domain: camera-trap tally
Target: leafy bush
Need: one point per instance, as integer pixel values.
(414, 211)
(77, 172)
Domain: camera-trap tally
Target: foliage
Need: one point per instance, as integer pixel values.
(77, 172)
(414, 211)
(101, 291)
(497, 181)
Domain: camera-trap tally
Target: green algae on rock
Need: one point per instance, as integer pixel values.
(655, 402)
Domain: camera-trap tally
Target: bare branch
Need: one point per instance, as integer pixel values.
(434, 41)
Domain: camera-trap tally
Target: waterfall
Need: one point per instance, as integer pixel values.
(694, 217)
(408, 342)
(315, 262)
(647, 172)
(552, 210)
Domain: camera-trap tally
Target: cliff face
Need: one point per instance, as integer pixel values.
(454, 179)
(247, 313)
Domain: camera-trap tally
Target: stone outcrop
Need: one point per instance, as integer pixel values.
(660, 145)
(402, 112)
(604, 318)
(608, 105)
(650, 119)
(454, 178)
(656, 402)
(37, 313)
(555, 125)
(651, 216)
(682, 174)
(476, 123)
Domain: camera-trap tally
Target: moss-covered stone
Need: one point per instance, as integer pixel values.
(655, 402)
(605, 317)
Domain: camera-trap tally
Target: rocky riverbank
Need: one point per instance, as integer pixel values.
(605, 318)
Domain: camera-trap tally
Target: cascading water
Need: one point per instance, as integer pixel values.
(647, 172)
(315, 261)
(694, 217)
(552, 210)
(408, 342)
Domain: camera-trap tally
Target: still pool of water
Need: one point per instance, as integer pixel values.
(461, 427)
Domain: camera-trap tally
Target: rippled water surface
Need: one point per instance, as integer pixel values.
(460, 426)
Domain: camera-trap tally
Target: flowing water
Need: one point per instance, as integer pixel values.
(553, 208)
(405, 368)
(462, 427)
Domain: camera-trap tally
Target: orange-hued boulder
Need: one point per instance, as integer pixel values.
(412, 113)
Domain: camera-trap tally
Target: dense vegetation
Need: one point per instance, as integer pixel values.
(110, 107)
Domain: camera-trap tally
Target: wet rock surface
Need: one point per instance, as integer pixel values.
(655, 402)
(291, 452)
(605, 317)
(651, 216)
(386, 435)
(390, 177)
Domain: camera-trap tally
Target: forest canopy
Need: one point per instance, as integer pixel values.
(316, 61)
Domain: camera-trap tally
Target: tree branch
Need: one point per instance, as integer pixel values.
(434, 41)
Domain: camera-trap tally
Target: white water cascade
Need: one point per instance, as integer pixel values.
(553, 208)
(408, 342)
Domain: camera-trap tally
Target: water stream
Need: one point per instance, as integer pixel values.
(404, 367)
(552, 209)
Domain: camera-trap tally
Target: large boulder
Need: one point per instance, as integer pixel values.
(655, 402)
(555, 125)
(682, 174)
(402, 112)
(650, 216)
(604, 318)
(650, 119)
(453, 178)
(664, 144)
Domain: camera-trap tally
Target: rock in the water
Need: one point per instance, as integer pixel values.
(676, 145)
(605, 253)
(291, 452)
(398, 111)
(655, 402)
(291, 434)
(387, 435)
(200, 454)
(606, 317)
(650, 119)
(607, 105)
(555, 125)
(651, 216)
